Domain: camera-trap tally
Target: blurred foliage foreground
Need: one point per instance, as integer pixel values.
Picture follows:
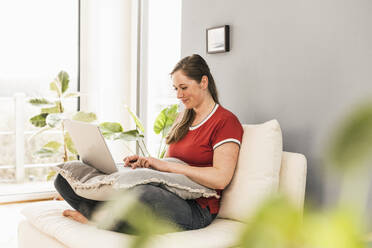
(277, 224)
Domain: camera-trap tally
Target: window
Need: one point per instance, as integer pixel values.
(39, 38)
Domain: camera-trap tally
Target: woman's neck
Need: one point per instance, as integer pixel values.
(204, 109)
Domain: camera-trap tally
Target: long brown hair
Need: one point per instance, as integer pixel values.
(193, 67)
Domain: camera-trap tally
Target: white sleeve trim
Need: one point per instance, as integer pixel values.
(225, 141)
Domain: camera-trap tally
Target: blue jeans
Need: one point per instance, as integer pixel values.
(187, 214)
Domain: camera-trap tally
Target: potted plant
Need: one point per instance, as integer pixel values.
(52, 112)
(162, 125)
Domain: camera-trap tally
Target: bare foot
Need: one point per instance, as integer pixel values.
(75, 215)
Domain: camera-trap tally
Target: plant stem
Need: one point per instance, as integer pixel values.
(144, 146)
(161, 142)
(128, 147)
(163, 150)
(139, 145)
(65, 157)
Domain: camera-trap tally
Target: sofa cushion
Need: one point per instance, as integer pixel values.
(257, 171)
(28, 234)
(47, 217)
(92, 184)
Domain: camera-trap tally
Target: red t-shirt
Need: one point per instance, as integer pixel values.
(197, 147)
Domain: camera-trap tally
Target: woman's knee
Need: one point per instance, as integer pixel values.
(158, 199)
(148, 194)
(62, 186)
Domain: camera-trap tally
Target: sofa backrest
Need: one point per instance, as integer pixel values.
(257, 172)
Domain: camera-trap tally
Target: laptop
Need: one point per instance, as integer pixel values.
(91, 145)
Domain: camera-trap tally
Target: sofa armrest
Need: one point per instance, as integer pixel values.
(292, 178)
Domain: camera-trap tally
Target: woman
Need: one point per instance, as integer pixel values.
(207, 138)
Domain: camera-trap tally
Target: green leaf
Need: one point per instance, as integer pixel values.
(110, 130)
(131, 135)
(72, 158)
(53, 86)
(173, 111)
(165, 120)
(48, 150)
(136, 120)
(51, 110)
(110, 127)
(72, 94)
(40, 102)
(51, 175)
(53, 145)
(110, 136)
(337, 228)
(351, 145)
(45, 152)
(53, 120)
(39, 120)
(70, 145)
(276, 224)
(38, 132)
(159, 123)
(63, 79)
(166, 130)
(83, 116)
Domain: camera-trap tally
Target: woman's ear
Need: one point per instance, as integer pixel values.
(204, 82)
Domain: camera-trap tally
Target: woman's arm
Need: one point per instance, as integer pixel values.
(225, 158)
(135, 161)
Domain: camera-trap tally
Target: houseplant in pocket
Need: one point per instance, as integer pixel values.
(52, 113)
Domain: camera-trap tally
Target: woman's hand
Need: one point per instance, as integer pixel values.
(135, 161)
(158, 164)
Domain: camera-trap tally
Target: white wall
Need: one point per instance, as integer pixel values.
(303, 62)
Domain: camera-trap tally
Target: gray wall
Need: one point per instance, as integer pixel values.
(304, 63)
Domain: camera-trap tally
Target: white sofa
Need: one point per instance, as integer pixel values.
(262, 169)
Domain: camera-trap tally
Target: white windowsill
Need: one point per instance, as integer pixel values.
(26, 191)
